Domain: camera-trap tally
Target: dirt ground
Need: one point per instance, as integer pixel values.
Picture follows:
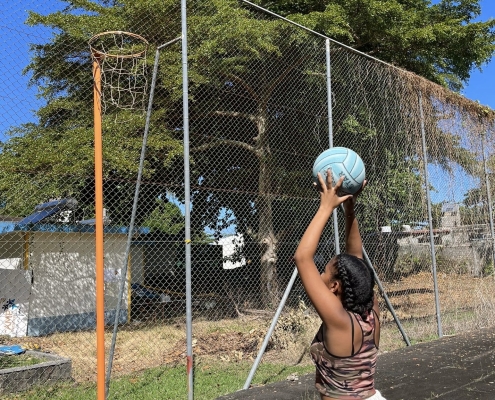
(466, 303)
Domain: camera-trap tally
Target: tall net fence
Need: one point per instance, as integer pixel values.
(258, 118)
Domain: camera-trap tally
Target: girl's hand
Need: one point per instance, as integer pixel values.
(351, 202)
(329, 198)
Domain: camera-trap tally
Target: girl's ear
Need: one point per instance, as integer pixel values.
(335, 287)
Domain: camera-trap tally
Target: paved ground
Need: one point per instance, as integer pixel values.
(452, 368)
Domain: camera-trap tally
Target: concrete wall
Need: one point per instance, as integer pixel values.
(63, 277)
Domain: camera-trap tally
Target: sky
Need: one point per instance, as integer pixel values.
(18, 101)
(481, 84)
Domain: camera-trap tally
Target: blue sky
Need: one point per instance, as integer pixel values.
(17, 101)
(481, 84)
(479, 88)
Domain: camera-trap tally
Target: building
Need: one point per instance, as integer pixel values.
(47, 274)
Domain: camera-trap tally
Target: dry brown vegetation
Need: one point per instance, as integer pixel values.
(467, 303)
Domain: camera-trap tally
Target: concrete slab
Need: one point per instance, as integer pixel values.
(455, 368)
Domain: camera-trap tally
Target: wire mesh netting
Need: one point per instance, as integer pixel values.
(258, 117)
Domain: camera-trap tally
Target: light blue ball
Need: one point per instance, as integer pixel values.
(343, 162)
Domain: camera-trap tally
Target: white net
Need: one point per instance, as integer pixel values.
(122, 60)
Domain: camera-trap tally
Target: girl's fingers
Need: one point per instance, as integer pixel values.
(320, 179)
(329, 178)
(339, 183)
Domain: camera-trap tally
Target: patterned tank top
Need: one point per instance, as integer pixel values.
(347, 377)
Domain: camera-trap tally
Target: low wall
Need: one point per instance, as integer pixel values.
(53, 369)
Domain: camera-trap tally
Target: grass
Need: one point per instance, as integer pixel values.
(210, 381)
(21, 360)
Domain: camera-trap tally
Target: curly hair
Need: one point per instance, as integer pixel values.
(357, 284)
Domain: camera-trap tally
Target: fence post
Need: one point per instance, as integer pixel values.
(489, 197)
(187, 203)
(130, 233)
(335, 225)
(430, 219)
(385, 297)
(270, 330)
(330, 135)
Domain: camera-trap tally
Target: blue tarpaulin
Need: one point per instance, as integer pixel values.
(11, 350)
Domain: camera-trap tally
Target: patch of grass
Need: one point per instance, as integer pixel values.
(20, 360)
(210, 381)
(424, 339)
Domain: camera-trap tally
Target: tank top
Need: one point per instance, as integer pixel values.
(347, 377)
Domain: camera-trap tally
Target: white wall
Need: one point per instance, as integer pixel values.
(64, 272)
(14, 302)
(229, 244)
(137, 264)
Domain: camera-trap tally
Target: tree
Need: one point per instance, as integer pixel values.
(258, 105)
(474, 209)
(53, 158)
(235, 146)
(441, 42)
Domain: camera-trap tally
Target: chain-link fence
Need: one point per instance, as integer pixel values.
(258, 117)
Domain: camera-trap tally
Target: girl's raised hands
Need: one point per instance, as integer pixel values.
(329, 197)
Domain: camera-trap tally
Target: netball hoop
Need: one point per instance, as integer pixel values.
(119, 81)
(121, 58)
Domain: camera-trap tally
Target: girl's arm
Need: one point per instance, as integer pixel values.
(353, 241)
(324, 301)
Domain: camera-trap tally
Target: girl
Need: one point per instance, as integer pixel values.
(345, 348)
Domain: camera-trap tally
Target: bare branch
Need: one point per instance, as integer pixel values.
(227, 142)
(282, 76)
(235, 114)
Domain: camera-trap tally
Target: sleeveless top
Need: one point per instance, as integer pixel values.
(349, 377)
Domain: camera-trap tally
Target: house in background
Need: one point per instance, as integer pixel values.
(451, 216)
(47, 274)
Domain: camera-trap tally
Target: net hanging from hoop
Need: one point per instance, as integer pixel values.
(121, 57)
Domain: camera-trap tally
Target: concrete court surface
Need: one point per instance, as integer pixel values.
(458, 367)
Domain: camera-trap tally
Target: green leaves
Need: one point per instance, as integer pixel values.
(166, 218)
(440, 42)
(257, 99)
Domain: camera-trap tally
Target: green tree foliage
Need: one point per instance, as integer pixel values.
(474, 209)
(54, 157)
(441, 42)
(258, 106)
(165, 217)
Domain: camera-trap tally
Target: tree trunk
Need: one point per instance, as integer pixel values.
(267, 239)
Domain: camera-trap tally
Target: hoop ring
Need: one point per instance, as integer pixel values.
(98, 53)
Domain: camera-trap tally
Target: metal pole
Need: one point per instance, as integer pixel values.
(187, 204)
(133, 216)
(284, 299)
(430, 219)
(383, 293)
(329, 93)
(489, 197)
(349, 48)
(270, 330)
(330, 135)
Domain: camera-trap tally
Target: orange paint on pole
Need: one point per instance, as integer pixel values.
(100, 291)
